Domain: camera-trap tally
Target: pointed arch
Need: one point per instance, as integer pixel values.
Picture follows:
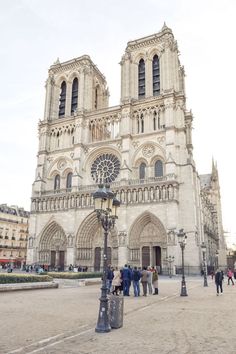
(147, 228)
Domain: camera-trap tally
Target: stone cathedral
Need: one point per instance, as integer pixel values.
(142, 147)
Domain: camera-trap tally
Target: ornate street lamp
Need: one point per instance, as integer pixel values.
(182, 242)
(105, 205)
(203, 246)
(170, 260)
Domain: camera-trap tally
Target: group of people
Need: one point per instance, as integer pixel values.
(120, 280)
(219, 278)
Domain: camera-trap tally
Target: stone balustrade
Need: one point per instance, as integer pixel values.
(133, 193)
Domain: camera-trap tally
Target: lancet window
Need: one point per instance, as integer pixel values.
(74, 96)
(141, 79)
(62, 104)
(156, 75)
(158, 168)
(142, 170)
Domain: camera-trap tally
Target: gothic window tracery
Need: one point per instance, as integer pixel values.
(105, 168)
(142, 170)
(158, 168)
(141, 79)
(74, 96)
(156, 75)
(62, 104)
(69, 180)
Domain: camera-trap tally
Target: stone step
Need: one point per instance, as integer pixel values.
(27, 286)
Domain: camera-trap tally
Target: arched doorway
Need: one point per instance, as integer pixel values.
(147, 241)
(52, 247)
(90, 244)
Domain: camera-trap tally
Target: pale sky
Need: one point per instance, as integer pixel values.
(33, 33)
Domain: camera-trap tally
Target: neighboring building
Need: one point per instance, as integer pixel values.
(143, 147)
(212, 219)
(13, 235)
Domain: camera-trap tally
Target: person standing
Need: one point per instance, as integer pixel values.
(126, 278)
(155, 281)
(116, 281)
(218, 281)
(144, 280)
(149, 280)
(136, 277)
(110, 276)
(230, 276)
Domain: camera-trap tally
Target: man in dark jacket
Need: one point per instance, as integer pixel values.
(218, 281)
(126, 278)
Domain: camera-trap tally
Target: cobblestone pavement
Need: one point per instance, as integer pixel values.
(62, 320)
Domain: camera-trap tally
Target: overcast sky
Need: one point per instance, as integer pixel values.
(34, 33)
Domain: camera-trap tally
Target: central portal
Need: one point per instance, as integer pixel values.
(151, 256)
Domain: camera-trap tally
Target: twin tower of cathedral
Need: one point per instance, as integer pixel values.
(143, 148)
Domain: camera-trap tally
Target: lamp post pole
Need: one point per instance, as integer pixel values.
(106, 208)
(182, 242)
(203, 246)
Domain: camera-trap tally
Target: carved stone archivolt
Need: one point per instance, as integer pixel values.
(147, 228)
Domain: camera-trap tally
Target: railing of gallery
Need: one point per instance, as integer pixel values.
(129, 195)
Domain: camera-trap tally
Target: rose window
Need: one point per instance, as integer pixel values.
(105, 168)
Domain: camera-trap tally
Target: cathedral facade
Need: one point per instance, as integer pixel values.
(142, 147)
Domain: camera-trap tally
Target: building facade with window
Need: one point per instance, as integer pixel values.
(13, 235)
(142, 148)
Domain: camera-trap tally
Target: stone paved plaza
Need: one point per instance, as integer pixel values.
(63, 320)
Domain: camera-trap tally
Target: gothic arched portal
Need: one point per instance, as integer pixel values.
(52, 247)
(147, 241)
(90, 244)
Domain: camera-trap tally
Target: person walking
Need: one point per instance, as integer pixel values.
(149, 280)
(230, 276)
(218, 281)
(144, 277)
(116, 281)
(136, 278)
(155, 281)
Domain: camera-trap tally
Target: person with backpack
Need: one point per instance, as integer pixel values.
(136, 278)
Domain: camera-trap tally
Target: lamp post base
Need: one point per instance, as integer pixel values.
(103, 324)
(183, 289)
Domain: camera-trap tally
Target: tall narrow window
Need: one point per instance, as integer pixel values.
(142, 123)
(96, 98)
(57, 183)
(62, 104)
(137, 125)
(158, 168)
(74, 96)
(141, 79)
(155, 120)
(69, 181)
(156, 75)
(142, 170)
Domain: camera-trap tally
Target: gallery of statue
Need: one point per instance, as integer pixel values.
(142, 147)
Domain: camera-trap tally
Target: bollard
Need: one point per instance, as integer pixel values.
(116, 311)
